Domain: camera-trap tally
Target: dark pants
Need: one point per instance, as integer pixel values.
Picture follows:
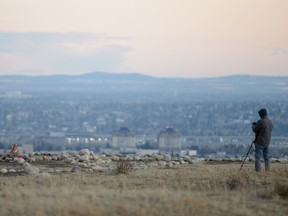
(259, 151)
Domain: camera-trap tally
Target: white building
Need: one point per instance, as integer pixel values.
(169, 141)
(124, 141)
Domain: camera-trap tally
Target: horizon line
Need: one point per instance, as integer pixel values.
(142, 74)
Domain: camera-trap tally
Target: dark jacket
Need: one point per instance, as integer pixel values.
(263, 130)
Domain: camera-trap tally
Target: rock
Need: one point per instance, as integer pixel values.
(46, 158)
(107, 154)
(31, 159)
(202, 159)
(281, 160)
(43, 175)
(129, 158)
(188, 160)
(158, 157)
(162, 163)
(59, 170)
(50, 170)
(83, 164)
(101, 161)
(84, 158)
(111, 167)
(39, 158)
(137, 158)
(20, 161)
(153, 164)
(54, 157)
(31, 154)
(3, 171)
(95, 157)
(102, 156)
(141, 166)
(167, 158)
(108, 160)
(182, 162)
(97, 168)
(84, 152)
(26, 164)
(73, 161)
(12, 171)
(31, 169)
(76, 169)
(65, 155)
(20, 171)
(115, 158)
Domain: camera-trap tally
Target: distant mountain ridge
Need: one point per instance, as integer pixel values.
(138, 76)
(93, 75)
(116, 76)
(227, 87)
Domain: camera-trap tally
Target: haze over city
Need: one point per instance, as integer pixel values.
(162, 38)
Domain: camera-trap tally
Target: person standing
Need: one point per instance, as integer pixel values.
(263, 130)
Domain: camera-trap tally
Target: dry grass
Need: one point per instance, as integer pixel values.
(281, 188)
(123, 167)
(198, 189)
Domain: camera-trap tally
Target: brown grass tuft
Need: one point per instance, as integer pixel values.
(281, 188)
(238, 180)
(123, 167)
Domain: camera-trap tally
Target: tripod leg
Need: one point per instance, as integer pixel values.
(248, 152)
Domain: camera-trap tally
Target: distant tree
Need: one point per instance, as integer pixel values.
(2, 146)
(148, 145)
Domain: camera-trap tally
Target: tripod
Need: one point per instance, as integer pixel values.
(248, 152)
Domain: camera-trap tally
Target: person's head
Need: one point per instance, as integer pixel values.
(262, 113)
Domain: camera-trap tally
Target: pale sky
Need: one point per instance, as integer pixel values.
(162, 38)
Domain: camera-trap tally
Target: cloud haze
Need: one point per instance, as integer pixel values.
(186, 38)
(54, 52)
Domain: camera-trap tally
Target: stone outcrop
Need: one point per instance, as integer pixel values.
(88, 161)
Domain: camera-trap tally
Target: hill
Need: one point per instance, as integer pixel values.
(224, 88)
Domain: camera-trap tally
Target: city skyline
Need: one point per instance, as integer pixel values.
(161, 38)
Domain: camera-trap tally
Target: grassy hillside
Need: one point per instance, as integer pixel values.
(197, 189)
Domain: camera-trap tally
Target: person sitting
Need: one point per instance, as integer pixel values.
(14, 149)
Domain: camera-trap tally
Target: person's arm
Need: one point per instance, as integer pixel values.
(254, 124)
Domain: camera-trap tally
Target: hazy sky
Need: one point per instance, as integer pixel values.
(173, 38)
